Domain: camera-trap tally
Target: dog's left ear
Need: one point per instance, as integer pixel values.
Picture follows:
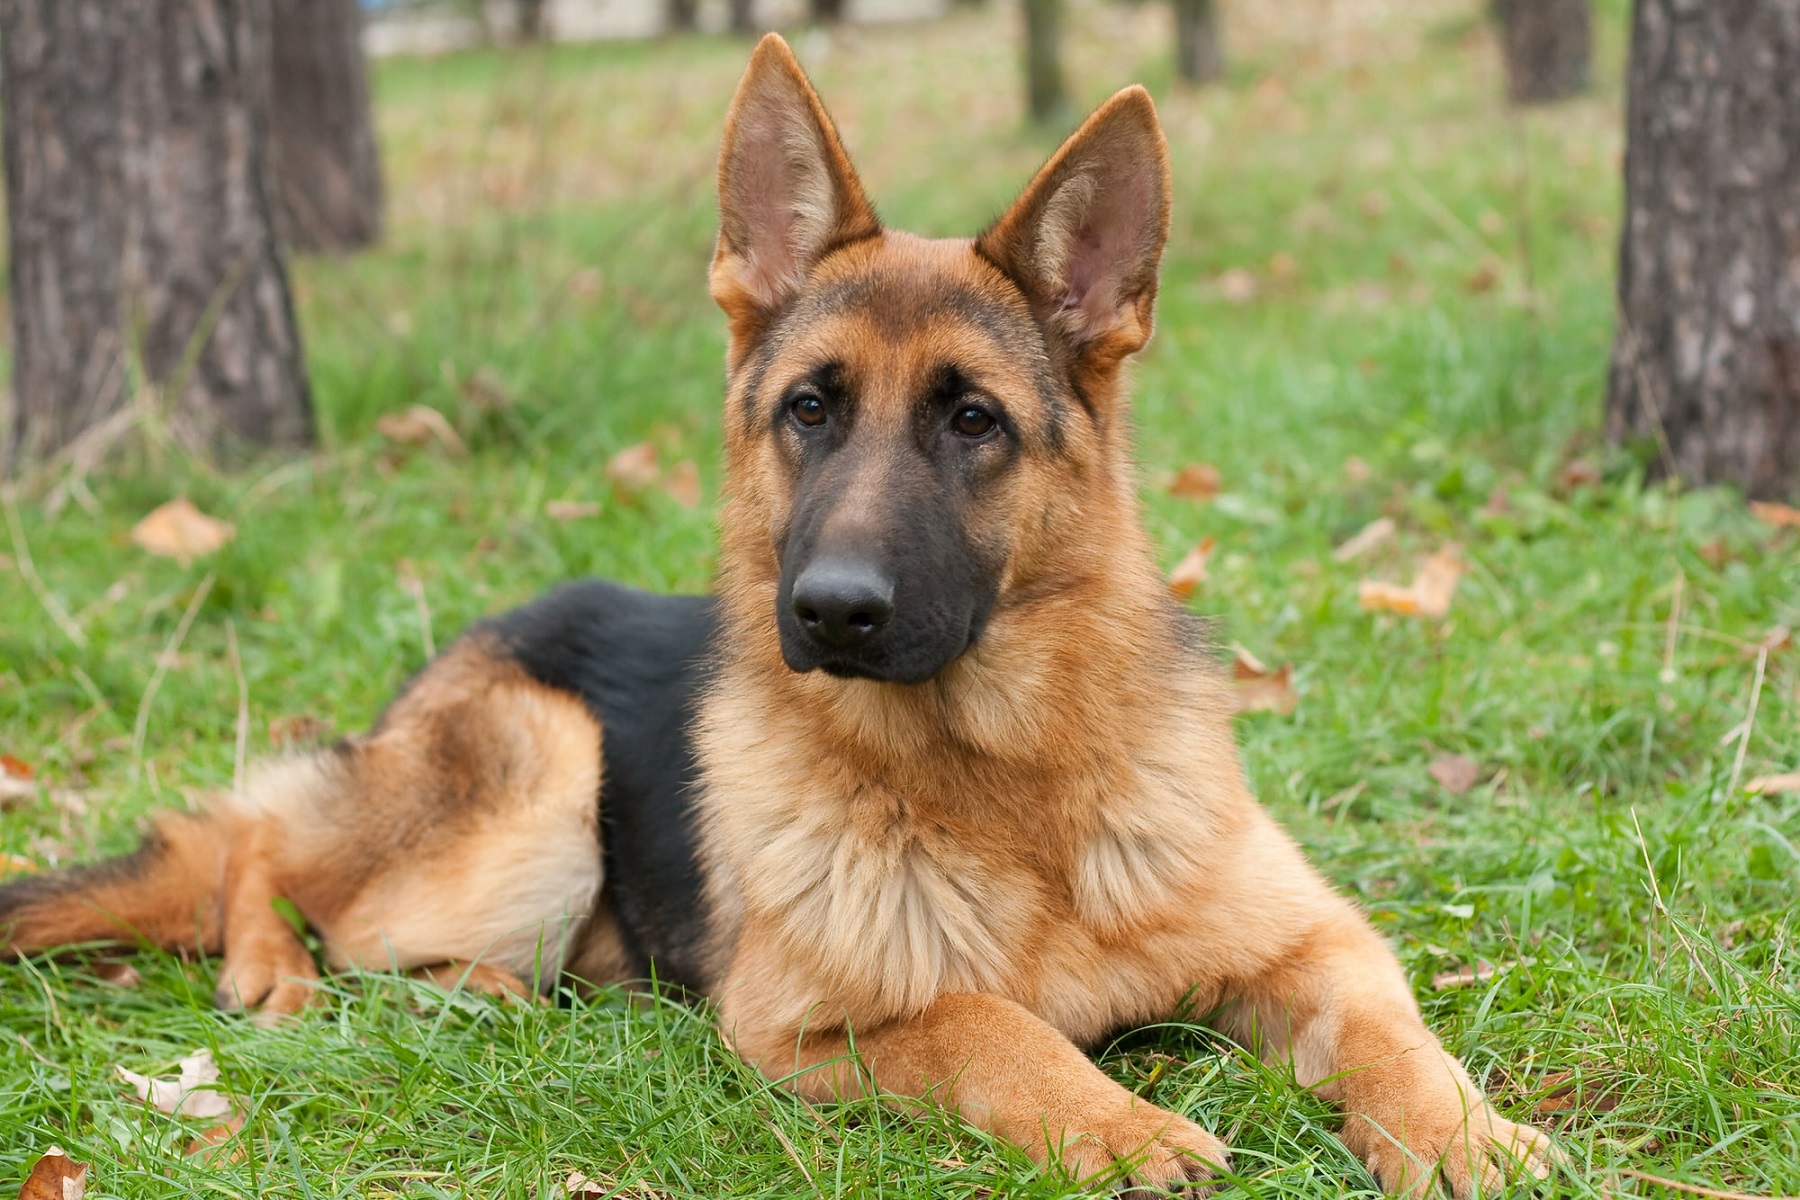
(1084, 240)
(788, 195)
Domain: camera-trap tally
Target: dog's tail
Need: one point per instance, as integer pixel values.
(167, 893)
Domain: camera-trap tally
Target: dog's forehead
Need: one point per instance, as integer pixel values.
(899, 289)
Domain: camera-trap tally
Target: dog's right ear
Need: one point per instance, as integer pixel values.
(788, 195)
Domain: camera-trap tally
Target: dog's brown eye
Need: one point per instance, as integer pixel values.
(971, 421)
(809, 410)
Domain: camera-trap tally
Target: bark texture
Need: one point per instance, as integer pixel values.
(65, 200)
(1706, 361)
(327, 166)
(1548, 46)
(1199, 50)
(139, 221)
(1046, 97)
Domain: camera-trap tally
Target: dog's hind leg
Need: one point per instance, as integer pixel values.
(267, 966)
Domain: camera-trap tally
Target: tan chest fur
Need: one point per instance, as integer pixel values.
(1060, 889)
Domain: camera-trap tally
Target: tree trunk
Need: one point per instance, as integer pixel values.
(743, 16)
(1199, 51)
(683, 15)
(327, 167)
(1046, 98)
(532, 25)
(827, 12)
(1548, 45)
(1706, 362)
(140, 226)
(65, 200)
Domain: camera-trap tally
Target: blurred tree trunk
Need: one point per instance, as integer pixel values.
(530, 23)
(683, 16)
(327, 165)
(1199, 51)
(743, 16)
(1548, 46)
(140, 228)
(1046, 98)
(827, 12)
(1706, 362)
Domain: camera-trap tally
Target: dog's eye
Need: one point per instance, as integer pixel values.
(972, 421)
(808, 409)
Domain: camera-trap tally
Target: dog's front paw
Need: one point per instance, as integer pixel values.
(1476, 1156)
(1145, 1151)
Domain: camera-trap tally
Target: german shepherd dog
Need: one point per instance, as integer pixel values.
(941, 774)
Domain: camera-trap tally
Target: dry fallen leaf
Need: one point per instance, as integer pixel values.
(1190, 572)
(15, 864)
(1576, 474)
(1482, 279)
(18, 782)
(1377, 532)
(1779, 515)
(55, 1176)
(1428, 595)
(188, 1096)
(1564, 1094)
(633, 469)
(210, 1143)
(1462, 977)
(114, 973)
(1196, 481)
(1258, 689)
(180, 531)
(683, 483)
(1237, 285)
(572, 510)
(1356, 470)
(1455, 773)
(421, 425)
(1768, 785)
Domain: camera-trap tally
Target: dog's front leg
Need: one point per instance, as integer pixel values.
(1002, 1069)
(1340, 1009)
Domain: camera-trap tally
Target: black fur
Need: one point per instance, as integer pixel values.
(637, 661)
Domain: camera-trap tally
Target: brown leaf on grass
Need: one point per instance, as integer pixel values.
(1462, 977)
(571, 510)
(1378, 532)
(634, 470)
(1769, 785)
(1196, 481)
(683, 483)
(18, 781)
(421, 425)
(1576, 474)
(1190, 572)
(299, 729)
(486, 390)
(1773, 642)
(1482, 279)
(115, 973)
(1782, 516)
(1455, 773)
(16, 864)
(190, 1095)
(1428, 595)
(1356, 470)
(1237, 285)
(211, 1143)
(180, 531)
(1564, 1094)
(1258, 689)
(55, 1176)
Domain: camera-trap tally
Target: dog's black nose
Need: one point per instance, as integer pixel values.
(843, 603)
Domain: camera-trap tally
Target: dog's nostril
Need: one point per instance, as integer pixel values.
(809, 616)
(862, 620)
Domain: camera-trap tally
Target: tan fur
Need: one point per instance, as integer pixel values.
(968, 878)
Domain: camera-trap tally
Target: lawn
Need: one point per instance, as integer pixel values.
(1386, 296)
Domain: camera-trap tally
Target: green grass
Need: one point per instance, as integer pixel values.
(552, 225)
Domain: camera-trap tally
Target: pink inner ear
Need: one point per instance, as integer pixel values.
(1109, 252)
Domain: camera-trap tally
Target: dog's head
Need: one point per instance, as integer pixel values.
(917, 428)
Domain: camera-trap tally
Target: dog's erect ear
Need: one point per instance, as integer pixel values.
(1084, 239)
(787, 193)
